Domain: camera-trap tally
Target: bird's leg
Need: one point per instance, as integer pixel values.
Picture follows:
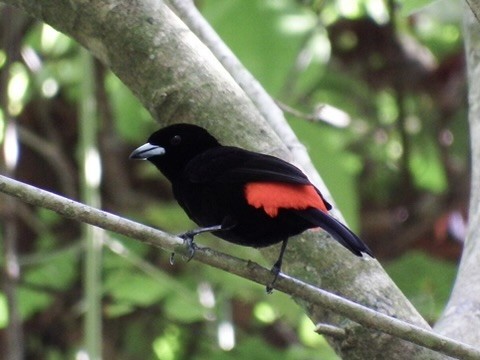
(277, 267)
(189, 236)
(190, 244)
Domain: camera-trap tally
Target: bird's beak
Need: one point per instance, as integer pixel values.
(146, 151)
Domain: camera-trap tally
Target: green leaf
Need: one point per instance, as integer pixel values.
(31, 301)
(430, 288)
(58, 272)
(3, 311)
(427, 167)
(134, 288)
(183, 309)
(408, 7)
(118, 309)
(53, 273)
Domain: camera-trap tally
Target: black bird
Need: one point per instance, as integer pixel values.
(243, 197)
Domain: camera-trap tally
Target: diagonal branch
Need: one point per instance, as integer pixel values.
(460, 319)
(474, 7)
(246, 269)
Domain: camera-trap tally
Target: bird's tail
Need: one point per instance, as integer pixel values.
(338, 231)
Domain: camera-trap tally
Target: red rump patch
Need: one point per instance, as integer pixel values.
(273, 196)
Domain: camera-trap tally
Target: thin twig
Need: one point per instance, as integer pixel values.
(330, 330)
(314, 116)
(246, 269)
(322, 113)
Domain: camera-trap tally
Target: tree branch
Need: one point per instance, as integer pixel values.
(246, 269)
(460, 319)
(475, 8)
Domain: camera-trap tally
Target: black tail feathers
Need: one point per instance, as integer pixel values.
(338, 231)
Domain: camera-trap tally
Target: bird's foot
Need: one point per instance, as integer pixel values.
(275, 271)
(189, 244)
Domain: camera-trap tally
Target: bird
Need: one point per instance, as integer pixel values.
(241, 196)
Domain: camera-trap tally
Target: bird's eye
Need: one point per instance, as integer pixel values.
(175, 140)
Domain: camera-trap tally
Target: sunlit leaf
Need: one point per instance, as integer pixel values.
(408, 7)
(133, 288)
(32, 301)
(3, 311)
(179, 308)
(427, 167)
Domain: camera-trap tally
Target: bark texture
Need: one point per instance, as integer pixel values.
(461, 318)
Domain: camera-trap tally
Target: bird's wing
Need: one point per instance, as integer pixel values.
(269, 175)
(235, 165)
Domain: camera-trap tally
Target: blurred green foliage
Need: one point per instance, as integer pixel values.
(429, 289)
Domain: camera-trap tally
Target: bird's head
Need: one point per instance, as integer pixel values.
(171, 148)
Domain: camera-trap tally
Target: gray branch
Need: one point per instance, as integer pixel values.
(474, 6)
(461, 318)
(246, 269)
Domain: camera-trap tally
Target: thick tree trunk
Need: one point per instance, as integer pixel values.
(461, 318)
(179, 80)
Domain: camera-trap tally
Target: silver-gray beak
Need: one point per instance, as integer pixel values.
(147, 151)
